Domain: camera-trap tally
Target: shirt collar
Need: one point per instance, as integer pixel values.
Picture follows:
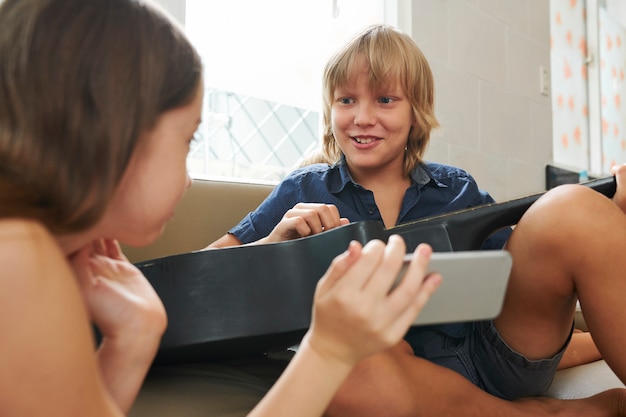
(341, 176)
(421, 176)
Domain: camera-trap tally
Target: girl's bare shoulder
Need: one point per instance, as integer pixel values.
(26, 248)
(17, 230)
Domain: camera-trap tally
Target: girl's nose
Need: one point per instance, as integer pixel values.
(188, 181)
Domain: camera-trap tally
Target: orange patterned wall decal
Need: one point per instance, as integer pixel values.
(567, 70)
(569, 75)
(577, 135)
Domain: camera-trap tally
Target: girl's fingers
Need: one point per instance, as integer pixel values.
(415, 289)
(80, 264)
(384, 275)
(114, 250)
(417, 268)
(338, 268)
(416, 303)
(98, 247)
(357, 278)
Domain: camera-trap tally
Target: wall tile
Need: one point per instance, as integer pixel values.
(504, 123)
(488, 170)
(430, 27)
(525, 178)
(476, 42)
(456, 98)
(512, 13)
(539, 20)
(524, 58)
(495, 124)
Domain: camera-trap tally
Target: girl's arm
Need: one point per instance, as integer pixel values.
(354, 316)
(46, 353)
(128, 313)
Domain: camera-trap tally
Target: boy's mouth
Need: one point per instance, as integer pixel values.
(364, 140)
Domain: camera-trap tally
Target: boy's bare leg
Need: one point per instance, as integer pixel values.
(398, 384)
(571, 242)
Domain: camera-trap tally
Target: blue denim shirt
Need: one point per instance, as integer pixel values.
(435, 189)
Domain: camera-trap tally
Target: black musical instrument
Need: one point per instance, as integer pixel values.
(250, 299)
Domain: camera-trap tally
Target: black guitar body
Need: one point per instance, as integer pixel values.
(247, 299)
(250, 299)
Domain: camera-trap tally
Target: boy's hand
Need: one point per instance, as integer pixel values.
(620, 194)
(306, 219)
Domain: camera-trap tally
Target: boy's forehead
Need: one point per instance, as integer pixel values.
(374, 82)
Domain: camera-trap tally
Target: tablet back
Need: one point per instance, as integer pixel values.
(472, 289)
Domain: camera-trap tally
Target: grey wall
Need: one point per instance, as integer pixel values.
(486, 56)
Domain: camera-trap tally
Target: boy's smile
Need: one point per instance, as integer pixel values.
(371, 125)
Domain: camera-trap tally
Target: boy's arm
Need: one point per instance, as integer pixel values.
(304, 219)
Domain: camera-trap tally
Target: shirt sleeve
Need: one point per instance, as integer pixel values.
(259, 223)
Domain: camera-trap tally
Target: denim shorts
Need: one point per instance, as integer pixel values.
(482, 357)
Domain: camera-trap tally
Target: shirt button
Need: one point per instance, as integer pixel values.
(371, 210)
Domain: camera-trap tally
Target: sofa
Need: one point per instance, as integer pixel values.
(211, 207)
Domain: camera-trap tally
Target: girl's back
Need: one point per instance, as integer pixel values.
(46, 355)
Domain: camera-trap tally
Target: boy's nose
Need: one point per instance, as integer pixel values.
(365, 115)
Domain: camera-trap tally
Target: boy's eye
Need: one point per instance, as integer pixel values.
(385, 100)
(345, 100)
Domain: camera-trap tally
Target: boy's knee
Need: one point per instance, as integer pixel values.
(567, 206)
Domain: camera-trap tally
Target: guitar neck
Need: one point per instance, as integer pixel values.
(468, 229)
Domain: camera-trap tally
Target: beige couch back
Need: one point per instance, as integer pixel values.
(206, 212)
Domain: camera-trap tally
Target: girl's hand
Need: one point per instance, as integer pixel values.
(119, 299)
(306, 219)
(123, 305)
(354, 314)
(620, 194)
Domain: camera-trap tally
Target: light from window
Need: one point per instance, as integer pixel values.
(263, 62)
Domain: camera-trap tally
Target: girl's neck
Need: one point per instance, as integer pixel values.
(72, 243)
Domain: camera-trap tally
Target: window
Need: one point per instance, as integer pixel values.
(263, 66)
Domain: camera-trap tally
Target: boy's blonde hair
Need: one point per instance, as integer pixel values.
(390, 56)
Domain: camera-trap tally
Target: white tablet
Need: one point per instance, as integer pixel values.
(472, 289)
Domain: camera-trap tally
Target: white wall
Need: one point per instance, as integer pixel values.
(486, 56)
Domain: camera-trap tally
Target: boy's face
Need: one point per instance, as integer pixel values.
(156, 178)
(371, 127)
